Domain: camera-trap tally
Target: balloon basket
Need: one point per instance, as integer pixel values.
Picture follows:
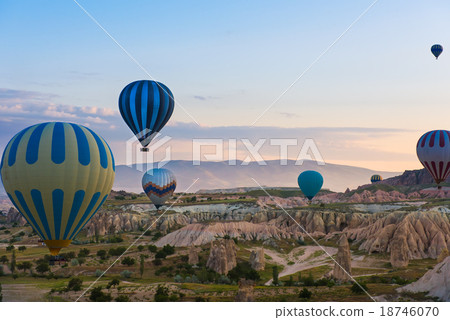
(144, 149)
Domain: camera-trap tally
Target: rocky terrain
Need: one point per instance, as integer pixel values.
(435, 282)
(343, 266)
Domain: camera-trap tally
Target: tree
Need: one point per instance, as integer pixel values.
(22, 248)
(113, 283)
(290, 282)
(140, 247)
(168, 249)
(13, 261)
(4, 260)
(74, 284)
(152, 248)
(358, 288)
(142, 265)
(97, 295)
(26, 265)
(83, 253)
(305, 294)
(309, 282)
(101, 254)
(275, 275)
(42, 267)
(162, 294)
(157, 262)
(160, 255)
(126, 274)
(10, 248)
(128, 261)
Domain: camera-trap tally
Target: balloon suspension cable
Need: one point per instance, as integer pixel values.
(145, 149)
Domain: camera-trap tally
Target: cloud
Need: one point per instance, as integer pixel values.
(203, 98)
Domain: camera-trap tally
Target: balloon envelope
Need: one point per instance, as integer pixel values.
(146, 106)
(436, 50)
(433, 151)
(159, 185)
(376, 178)
(310, 182)
(57, 175)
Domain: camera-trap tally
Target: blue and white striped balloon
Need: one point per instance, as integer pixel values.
(146, 106)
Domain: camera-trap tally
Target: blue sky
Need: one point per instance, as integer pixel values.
(227, 61)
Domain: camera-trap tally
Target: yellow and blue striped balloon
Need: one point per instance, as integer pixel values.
(57, 175)
(376, 178)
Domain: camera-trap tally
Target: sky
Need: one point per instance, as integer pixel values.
(365, 102)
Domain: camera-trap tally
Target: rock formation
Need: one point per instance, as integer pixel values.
(444, 254)
(399, 252)
(343, 266)
(435, 282)
(257, 260)
(14, 216)
(222, 256)
(193, 255)
(245, 292)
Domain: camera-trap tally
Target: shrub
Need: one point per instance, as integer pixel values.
(128, 261)
(147, 233)
(74, 262)
(157, 262)
(83, 253)
(305, 294)
(140, 247)
(168, 249)
(22, 248)
(116, 251)
(243, 270)
(358, 289)
(157, 235)
(98, 273)
(113, 283)
(101, 254)
(74, 284)
(162, 294)
(178, 278)
(97, 295)
(152, 248)
(160, 255)
(116, 239)
(42, 267)
(126, 274)
(122, 298)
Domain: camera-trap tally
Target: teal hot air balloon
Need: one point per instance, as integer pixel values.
(159, 185)
(310, 182)
(146, 106)
(57, 175)
(436, 50)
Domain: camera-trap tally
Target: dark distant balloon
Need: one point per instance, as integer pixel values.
(376, 178)
(433, 151)
(436, 50)
(146, 106)
(310, 182)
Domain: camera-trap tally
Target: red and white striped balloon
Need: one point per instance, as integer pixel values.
(433, 151)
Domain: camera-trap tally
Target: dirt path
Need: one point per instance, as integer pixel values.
(304, 257)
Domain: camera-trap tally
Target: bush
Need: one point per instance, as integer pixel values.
(122, 298)
(83, 253)
(101, 254)
(309, 281)
(168, 249)
(98, 273)
(160, 255)
(178, 279)
(74, 262)
(74, 284)
(68, 255)
(22, 248)
(113, 283)
(358, 289)
(128, 261)
(162, 294)
(117, 251)
(157, 262)
(157, 235)
(9, 248)
(152, 248)
(42, 267)
(305, 294)
(116, 239)
(147, 233)
(126, 274)
(97, 295)
(243, 270)
(140, 247)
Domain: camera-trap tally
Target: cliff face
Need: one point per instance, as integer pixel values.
(410, 178)
(426, 233)
(257, 259)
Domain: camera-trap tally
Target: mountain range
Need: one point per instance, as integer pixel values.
(221, 175)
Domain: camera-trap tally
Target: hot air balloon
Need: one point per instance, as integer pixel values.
(436, 50)
(433, 151)
(376, 178)
(310, 183)
(159, 185)
(146, 106)
(57, 175)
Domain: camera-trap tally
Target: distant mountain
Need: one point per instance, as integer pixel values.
(412, 177)
(221, 175)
